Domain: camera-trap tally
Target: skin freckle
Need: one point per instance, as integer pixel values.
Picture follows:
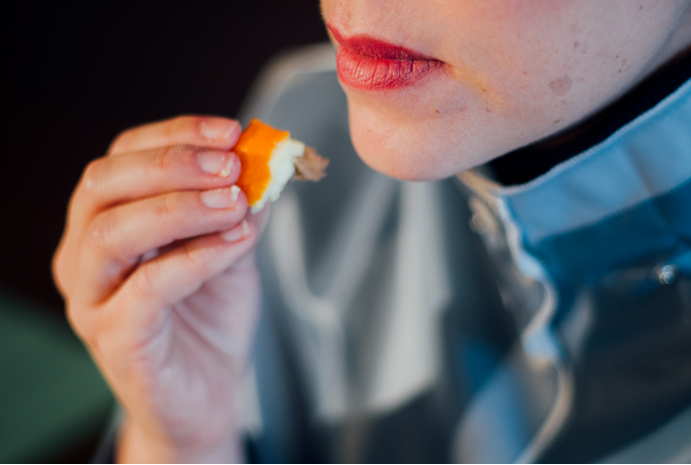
(347, 16)
(561, 86)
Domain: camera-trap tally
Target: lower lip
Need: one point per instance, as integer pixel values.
(370, 64)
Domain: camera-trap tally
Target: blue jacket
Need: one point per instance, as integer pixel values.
(557, 327)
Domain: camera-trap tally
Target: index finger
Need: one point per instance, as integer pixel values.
(202, 131)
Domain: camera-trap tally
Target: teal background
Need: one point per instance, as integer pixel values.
(54, 403)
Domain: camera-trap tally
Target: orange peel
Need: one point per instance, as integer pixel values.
(268, 157)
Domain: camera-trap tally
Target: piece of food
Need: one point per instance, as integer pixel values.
(270, 158)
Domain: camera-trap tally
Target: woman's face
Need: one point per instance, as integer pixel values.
(438, 86)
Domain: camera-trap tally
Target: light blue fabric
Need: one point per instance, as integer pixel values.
(596, 232)
(646, 158)
(621, 203)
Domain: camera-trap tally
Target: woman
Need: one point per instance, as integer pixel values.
(157, 263)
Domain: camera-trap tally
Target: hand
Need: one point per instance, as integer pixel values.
(157, 269)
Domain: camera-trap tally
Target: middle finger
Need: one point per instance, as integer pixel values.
(118, 236)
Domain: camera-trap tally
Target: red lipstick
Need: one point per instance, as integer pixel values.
(367, 63)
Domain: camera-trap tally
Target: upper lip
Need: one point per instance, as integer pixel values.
(370, 47)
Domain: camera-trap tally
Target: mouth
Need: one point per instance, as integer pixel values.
(371, 64)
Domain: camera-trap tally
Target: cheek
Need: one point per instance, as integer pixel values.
(532, 58)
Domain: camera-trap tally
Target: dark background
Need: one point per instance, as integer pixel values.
(77, 74)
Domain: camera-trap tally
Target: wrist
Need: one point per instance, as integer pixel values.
(136, 445)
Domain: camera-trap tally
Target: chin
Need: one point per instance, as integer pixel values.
(412, 150)
(393, 161)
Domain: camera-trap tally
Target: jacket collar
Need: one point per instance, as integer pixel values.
(621, 202)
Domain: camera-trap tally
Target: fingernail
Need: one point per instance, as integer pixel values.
(238, 232)
(226, 197)
(218, 128)
(218, 163)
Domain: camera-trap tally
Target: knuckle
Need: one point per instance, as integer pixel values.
(77, 323)
(162, 159)
(145, 279)
(93, 175)
(120, 141)
(195, 261)
(165, 205)
(83, 319)
(99, 234)
(165, 159)
(192, 260)
(57, 266)
(203, 262)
